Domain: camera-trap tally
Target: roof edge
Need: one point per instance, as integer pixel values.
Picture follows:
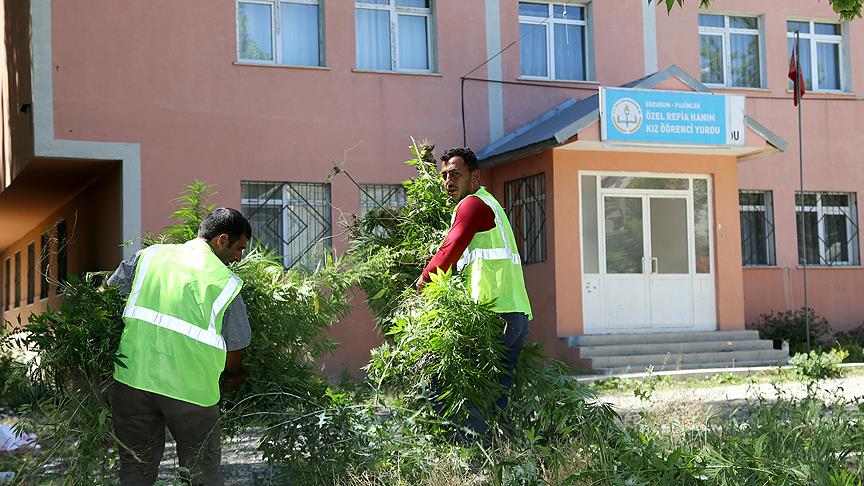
(769, 136)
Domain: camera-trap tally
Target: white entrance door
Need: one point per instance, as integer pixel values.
(646, 260)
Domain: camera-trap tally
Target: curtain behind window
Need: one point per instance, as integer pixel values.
(373, 39)
(300, 42)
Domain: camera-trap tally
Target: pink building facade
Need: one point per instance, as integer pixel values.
(111, 108)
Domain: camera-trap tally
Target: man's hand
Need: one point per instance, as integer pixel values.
(420, 283)
(234, 380)
(234, 376)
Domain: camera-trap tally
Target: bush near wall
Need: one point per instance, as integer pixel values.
(790, 326)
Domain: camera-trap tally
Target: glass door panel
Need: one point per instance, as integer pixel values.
(669, 236)
(625, 247)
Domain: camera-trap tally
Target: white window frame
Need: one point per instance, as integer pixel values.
(276, 34)
(395, 12)
(814, 38)
(766, 208)
(821, 211)
(549, 22)
(725, 33)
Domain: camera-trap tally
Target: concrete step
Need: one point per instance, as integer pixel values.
(661, 337)
(691, 366)
(677, 360)
(674, 348)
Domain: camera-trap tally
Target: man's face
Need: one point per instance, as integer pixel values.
(458, 180)
(229, 253)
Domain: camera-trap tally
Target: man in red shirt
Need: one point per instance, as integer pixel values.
(475, 214)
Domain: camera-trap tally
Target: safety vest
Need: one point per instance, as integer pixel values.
(172, 340)
(492, 264)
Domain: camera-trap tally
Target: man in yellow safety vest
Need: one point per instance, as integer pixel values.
(480, 243)
(185, 324)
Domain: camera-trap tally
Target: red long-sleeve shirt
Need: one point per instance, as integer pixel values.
(472, 217)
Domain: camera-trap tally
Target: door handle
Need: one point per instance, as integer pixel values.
(655, 265)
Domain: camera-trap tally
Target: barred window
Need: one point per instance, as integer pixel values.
(827, 226)
(291, 218)
(525, 200)
(757, 228)
(386, 195)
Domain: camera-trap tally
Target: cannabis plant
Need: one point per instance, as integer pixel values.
(76, 345)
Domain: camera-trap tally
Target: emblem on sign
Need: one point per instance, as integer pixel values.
(626, 116)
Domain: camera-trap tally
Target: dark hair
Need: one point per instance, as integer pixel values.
(467, 155)
(225, 221)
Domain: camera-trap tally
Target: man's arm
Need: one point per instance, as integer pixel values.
(472, 216)
(238, 335)
(123, 277)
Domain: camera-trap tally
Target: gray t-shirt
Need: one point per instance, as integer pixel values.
(235, 325)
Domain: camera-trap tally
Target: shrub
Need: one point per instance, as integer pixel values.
(818, 365)
(790, 326)
(853, 343)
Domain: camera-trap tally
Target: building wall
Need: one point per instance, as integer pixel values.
(93, 223)
(163, 74)
(831, 156)
(16, 129)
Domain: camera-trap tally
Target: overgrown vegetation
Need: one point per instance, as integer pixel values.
(384, 431)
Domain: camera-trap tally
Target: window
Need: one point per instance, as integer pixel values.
(31, 273)
(821, 54)
(17, 302)
(280, 32)
(7, 272)
(373, 196)
(757, 228)
(525, 200)
(376, 195)
(394, 35)
(290, 218)
(62, 253)
(44, 260)
(553, 41)
(830, 232)
(729, 51)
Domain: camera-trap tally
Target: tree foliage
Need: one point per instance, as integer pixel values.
(847, 9)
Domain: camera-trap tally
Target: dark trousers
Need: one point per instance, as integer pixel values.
(514, 333)
(140, 418)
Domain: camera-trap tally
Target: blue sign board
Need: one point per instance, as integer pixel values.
(671, 117)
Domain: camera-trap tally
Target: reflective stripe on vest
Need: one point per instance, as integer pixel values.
(207, 336)
(490, 253)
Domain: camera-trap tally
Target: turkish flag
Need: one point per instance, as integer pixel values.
(796, 76)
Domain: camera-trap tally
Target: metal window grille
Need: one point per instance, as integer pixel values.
(44, 260)
(17, 302)
(290, 218)
(525, 201)
(757, 228)
(386, 195)
(831, 223)
(381, 195)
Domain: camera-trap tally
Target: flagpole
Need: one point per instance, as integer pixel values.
(800, 99)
